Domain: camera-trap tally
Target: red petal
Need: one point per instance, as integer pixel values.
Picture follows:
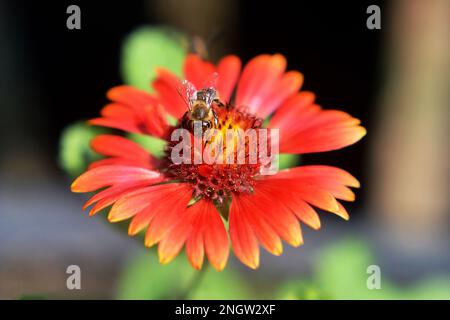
(104, 176)
(292, 200)
(133, 110)
(125, 152)
(312, 194)
(305, 127)
(108, 196)
(342, 212)
(228, 69)
(117, 111)
(288, 85)
(163, 196)
(263, 231)
(201, 227)
(259, 79)
(166, 85)
(131, 97)
(317, 185)
(325, 139)
(280, 217)
(243, 238)
(147, 164)
(143, 199)
(194, 248)
(170, 246)
(198, 71)
(134, 203)
(140, 221)
(215, 237)
(121, 124)
(292, 109)
(305, 213)
(326, 173)
(167, 214)
(116, 146)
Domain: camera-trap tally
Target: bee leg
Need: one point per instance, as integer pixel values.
(219, 103)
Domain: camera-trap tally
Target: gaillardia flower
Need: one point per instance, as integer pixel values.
(205, 206)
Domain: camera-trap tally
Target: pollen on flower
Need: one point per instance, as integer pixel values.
(217, 181)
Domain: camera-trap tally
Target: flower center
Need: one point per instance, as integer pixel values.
(217, 179)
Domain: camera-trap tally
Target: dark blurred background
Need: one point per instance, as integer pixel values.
(63, 74)
(51, 77)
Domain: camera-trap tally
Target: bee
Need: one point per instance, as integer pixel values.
(200, 105)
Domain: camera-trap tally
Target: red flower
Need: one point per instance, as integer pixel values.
(186, 204)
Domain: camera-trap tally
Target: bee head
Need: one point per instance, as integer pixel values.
(207, 95)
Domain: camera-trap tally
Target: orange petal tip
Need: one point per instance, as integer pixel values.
(360, 132)
(278, 251)
(131, 231)
(297, 77)
(316, 226)
(113, 219)
(296, 242)
(278, 58)
(343, 215)
(149, 242)
(74, 187)
(197, 267)
(252, 264)
(163, 260)
(219, 267)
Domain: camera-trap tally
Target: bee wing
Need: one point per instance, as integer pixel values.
(186, 90)
(209, 88)
(211, 81)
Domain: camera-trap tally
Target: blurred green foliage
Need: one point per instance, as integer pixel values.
(152, 144)
(288, 160)
(75, 152)
(147, 48)
(226, 284)
(32, 297)
(145, 278)
(301, 290)
(340, 272)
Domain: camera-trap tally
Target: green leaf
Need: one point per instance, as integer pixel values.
(32, 297)
(224, 285)
(341, 270)
(145, 278)
(288, 160)
(301, 289)
(152, 144)
(436, 288)
(147, 48)
(75, 152)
